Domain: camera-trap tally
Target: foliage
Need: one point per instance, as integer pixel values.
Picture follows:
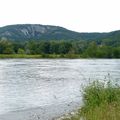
(101, 102)
(69, 49)
(21, 51)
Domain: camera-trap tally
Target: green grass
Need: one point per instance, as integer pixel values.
(101, 102)
(3, 56)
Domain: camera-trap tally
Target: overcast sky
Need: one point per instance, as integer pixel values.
(77, 15)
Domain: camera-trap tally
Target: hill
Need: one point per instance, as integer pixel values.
(24, 32)
(34, 39)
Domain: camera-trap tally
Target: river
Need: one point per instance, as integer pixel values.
(32, 83)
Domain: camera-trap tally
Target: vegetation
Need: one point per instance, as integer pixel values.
(101, 102)
(53, 56)
(60, 49)
(24, 32)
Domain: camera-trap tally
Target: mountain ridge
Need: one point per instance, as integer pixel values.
(25, 32)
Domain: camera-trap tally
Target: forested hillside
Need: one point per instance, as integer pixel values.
(36, 32)
(41, 39)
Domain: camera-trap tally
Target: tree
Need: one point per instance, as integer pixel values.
(21, 51)
(64, 47)
(6, 47)
(43, 48)
(91, 50)
(8, 51)
(116, 52)
(30, 47)
(54, 47)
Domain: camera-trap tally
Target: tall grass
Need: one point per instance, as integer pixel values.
(101, 102)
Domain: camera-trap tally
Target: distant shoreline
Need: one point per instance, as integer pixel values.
(49, 56)
(39, 56)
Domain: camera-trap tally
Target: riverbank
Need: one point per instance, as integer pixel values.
(48, 112)
(3, 56)
(52, 56)
(101, 102)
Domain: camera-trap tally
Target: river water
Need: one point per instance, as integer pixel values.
(32, 83)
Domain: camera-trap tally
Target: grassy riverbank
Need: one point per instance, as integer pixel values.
(101, 102)
(40, 56)
(52, 56)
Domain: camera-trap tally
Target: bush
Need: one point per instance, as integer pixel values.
(101, 102)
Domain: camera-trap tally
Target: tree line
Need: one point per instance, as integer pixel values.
(86, 49)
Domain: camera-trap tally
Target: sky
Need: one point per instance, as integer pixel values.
(76, 15)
